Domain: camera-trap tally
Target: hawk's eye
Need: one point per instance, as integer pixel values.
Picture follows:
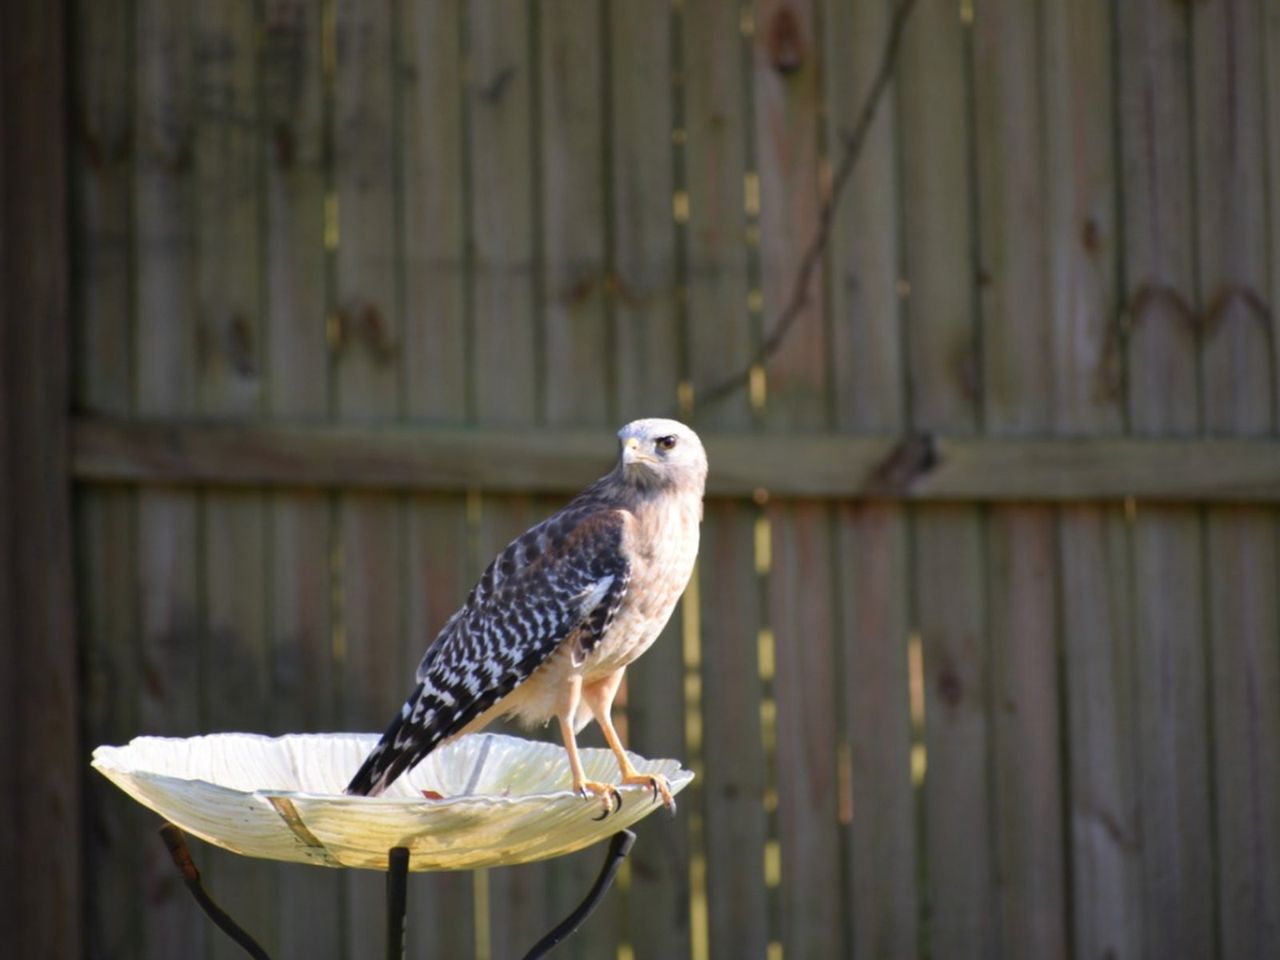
(666, 443)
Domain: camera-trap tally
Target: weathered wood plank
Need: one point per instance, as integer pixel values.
(507, 337)
(647, 368)
(165, 344)
(40, 743)
(786, 87)
(734, 767)
(947, 543)
(577, 330)
(877, 804)
(1105, 831)
(296, 364)
(228, 285)
(1161, 696)
(368, 387)
(548, 460)
(106, 598)
(710, 209)
(432, 209)
(641, 287)
(801, 613)
(1017, 397)
(1239, 398)
(786, 75)
(500, 118)
(431, 97)
(728, 823)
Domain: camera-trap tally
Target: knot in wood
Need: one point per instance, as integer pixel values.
(785, 42)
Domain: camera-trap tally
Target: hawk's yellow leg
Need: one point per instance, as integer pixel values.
(599, 697)
(610, 799)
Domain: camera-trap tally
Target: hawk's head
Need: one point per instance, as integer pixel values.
(662, 454)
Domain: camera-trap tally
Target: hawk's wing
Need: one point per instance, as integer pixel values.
(562, 579)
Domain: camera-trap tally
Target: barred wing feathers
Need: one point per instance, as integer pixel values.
(563, 579)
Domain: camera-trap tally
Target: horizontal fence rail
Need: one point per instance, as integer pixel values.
(560, 461)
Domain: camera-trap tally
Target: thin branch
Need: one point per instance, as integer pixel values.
(812, 259)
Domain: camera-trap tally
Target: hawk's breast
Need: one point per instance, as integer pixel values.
(661, 540)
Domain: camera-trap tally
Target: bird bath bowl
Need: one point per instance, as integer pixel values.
(502, 800)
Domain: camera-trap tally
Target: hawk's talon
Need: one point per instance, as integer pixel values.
(607, 793)
(655, 782)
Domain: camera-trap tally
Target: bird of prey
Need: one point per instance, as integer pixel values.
(556, 617)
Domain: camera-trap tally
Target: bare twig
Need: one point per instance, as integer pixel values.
(853, 143)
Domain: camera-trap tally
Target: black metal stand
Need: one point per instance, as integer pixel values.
(397, 890)
(619, 846)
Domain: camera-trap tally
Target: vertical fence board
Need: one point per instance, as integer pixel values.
(786, 75)
(500, 111)
(1088, 381)
(947, 541)
(228, 289)
(786, 78)
(1170, 718)
(1017, 393)
(801, 614)
(102, 322)
(734, 772)
(873, 565)
(1270, 30)
(720, 340)
(168, 525)
(577, 335)
(500, 120)
(1236, 361)
(297, 361)
(433, 225)
(1101, 676)
(368, 389)
(647, 362)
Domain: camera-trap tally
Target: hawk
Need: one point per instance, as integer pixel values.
(556, 617)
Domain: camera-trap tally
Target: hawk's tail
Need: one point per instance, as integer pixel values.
(399, 749)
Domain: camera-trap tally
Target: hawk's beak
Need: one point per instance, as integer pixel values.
(631, 452)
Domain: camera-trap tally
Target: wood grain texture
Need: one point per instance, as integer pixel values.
(1018, 394)
(107, 634)
(166, 363)
(1087, 385)
(500, 123)
(947, 543)
(1171, 873)
(872, 543)
(721, 334)
(228, 308)
(431, 100)
(787, 93)
(1105, 829)
(304, 681)
(368, 384)
(955, 467)
(1239, 392)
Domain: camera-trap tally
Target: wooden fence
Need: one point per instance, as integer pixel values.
(982, 657)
